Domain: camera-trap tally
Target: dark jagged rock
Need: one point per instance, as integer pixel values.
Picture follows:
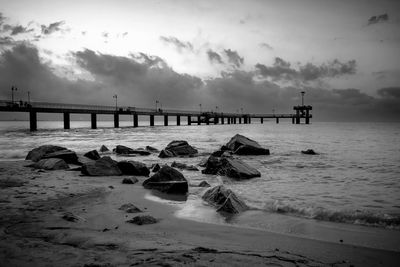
(38, 153)
(124, 150)
(178, 149)
(133, 168)
(204, 184)
(183, 166)
(69, 216)
(233, 168)
(168, 180)
(166, 154)
(104, 166)
(309, 152)
(129, 180)
(242, 145)
(50, 164)
(224, 200)
(151, 149)
(130, 208)
(144, 219)
(155, 168)
(93, 154)
(103, 149)
(67, 155)
(83, 160)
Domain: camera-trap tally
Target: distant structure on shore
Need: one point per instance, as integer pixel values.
(193, 117)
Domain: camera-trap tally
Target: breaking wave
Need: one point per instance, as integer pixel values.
(360, 217)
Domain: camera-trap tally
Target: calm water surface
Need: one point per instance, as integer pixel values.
(355, 179)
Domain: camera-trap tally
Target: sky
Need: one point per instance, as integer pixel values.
(255, 55)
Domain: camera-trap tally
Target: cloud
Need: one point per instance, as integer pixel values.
(6, 41)
(233, 57)
(267, 46)
(105, 34)
(53, 27)
(179, 45)
(282, 70)
(389, 92)
(15, 30)
(377, 19)
(140, 79)
(214, 57)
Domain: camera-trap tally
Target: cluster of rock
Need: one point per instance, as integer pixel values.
(178, 149)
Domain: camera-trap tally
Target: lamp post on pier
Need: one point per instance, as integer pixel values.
(157, 104)
(116, 101)
(302, 97)
(200, 108)
(13, 88)
(29, 97)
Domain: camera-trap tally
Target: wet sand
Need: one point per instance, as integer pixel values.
(33, 232)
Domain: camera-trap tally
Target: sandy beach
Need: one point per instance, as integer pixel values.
(33, 232)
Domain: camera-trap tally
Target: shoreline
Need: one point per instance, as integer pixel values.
(33, 232)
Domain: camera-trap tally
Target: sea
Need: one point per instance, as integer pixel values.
(353, 181)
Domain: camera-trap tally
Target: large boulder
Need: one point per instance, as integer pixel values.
(93, 154)
(230, 167)
(178, 149)
(133, 168)
(50, 164)
(68, 155)
(104, 166)
(124, 150)
(37, 154)
(224, 200)
(242, 145)
(168, 180)
(151, 149)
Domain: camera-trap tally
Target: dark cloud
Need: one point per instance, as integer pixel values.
(105, 34)
(282, 70)
(141, 79)
(267, 46)
(6, 41)
(179, 45)
(18, 29)
(233, 57)
(53, 27)
(214, 57)
(377, 19)
(389, 92)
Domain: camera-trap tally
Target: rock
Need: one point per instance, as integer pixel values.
(69, 216)
(67, 155)
(156, 167)
(133, 168)
(93, 154)
(183, 166)
(178, 148)
(151, 149)
(204, 184)
(242, 145)
(167, 180)
(144, 219)
(83, 160)
(103, 149)
(166, 154)
(233, 168)
(224, 200)
(309, 152)
(123, 150)
(222, 153)
(37, 154)
(104, 166)
(130, 208)
(50, 164)
(129, 180)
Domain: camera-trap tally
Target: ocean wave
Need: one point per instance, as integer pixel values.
(360, 217)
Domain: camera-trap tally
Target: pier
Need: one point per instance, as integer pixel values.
(193, 117)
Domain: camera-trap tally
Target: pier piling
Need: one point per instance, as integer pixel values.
(189, 120)
(151, 120)
(66, 120)
(178, 120)
(261, 120)
(135, 120)
(33, 120)
(116, 120)
(165, 120)
(93, 120)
